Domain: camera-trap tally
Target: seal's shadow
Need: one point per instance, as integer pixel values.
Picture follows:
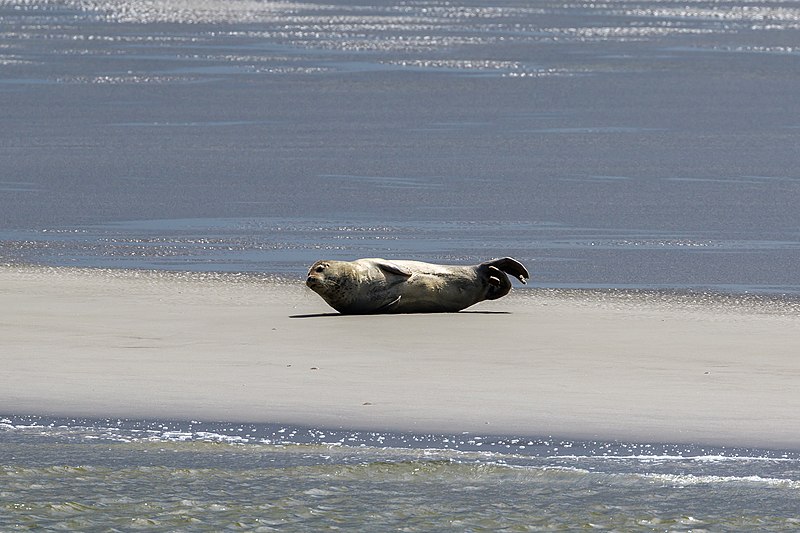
(323, 315)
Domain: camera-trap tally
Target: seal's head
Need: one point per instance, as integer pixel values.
(334, 281)
(316, 275)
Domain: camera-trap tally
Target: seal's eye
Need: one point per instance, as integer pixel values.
(320, 268)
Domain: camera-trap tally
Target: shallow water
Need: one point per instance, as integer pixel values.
(620, 144)
(82, 474)
(557, 256)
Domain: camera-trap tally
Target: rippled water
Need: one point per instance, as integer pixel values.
(608, 144)
(82, 474)
(558, 256)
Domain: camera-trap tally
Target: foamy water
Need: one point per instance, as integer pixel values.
(85, 474)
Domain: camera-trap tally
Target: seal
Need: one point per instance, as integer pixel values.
(373, 285)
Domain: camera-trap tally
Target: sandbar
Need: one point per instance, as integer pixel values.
(608, 365)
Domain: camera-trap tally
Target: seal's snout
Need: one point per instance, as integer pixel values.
(316, 284)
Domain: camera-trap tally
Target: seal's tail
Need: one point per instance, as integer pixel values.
(509, 266)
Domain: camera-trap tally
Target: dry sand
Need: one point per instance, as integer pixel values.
(649, 367)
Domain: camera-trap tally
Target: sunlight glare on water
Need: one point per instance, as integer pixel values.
(614, 144)
(164, 475)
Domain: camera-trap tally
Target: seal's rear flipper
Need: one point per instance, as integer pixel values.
(499, 285)
(509, 266)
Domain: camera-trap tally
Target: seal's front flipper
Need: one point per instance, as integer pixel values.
(509, 266)
(393, 268)
(388, 308)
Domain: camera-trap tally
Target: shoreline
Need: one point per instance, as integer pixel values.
(236, 432)
(576, 364)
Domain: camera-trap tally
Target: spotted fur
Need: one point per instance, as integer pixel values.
(367, 286)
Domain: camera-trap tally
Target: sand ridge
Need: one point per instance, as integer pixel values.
(137, 344)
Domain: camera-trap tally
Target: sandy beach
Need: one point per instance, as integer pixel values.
(637, 367)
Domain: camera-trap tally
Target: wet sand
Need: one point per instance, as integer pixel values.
(637, 367)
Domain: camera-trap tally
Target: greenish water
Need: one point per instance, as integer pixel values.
(125, 475)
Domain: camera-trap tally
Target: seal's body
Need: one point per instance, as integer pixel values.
(379, 286)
